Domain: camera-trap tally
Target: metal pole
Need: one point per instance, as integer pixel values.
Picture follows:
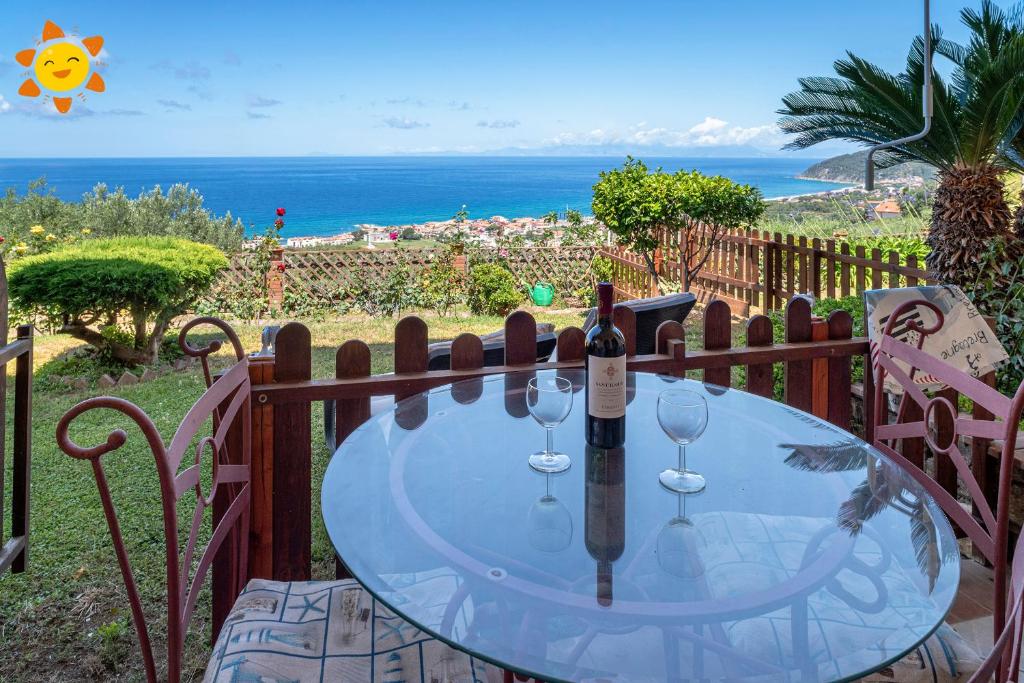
(869, 175)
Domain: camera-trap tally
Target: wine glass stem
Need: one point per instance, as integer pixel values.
(551, 446)
(682, 458)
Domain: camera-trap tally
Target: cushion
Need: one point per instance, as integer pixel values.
(294, 632)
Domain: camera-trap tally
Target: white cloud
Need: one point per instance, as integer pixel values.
(5, 106)
(404, 123)
(711, 132)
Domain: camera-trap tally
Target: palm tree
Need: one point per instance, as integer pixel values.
(976, 134)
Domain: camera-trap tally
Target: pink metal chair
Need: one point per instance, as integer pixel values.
(902, 361)
(228, 399)
(1005, 654)
(275, 630)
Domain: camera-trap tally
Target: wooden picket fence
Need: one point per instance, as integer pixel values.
(816, 358)
(756, 269)
(14, 550)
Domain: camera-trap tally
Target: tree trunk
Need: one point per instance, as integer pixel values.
(970, 211)
(122, 352)
(650, 266)
(1018, 220)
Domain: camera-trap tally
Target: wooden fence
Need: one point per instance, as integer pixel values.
(14, 552)
(754, 269)
(816, 359)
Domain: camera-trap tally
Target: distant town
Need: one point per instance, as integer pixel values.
(483, 232)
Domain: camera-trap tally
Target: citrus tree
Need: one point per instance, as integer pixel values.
(92, 285)
(637, 204)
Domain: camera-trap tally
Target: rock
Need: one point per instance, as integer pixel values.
(180, 364)
(106, 382)
(80, 384)
(148, 376)
(127, 379)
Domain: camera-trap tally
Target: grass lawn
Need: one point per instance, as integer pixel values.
(67, 618)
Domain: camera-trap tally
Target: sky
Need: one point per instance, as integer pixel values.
(298, 78)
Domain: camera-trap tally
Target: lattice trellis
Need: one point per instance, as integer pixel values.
(567, 268)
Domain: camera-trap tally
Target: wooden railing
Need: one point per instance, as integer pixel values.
(816, 360)
(14, 551)
(757, 269)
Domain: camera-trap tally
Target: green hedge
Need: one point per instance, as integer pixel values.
(116, 274)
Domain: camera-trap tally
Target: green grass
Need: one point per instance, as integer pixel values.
(67, 617)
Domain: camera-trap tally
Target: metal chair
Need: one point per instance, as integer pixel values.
(902, 361)
(1005, 654)
(268, 633)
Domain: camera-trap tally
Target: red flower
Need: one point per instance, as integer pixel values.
(280, 212)
(279, 223)
(281, 267)
(393, 235)
(2, 240)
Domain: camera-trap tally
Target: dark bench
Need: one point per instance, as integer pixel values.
(649, 314)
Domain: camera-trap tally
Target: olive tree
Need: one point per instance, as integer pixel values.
(92, 285)
(637, 205)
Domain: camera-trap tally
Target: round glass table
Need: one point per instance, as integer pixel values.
(808, 556)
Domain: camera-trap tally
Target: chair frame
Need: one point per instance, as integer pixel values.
(991, 535)
(227, 403)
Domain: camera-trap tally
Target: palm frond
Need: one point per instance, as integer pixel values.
(843, 456)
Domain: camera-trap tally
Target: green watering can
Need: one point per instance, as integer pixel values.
(542, 293)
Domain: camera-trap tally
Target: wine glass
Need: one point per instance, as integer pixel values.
(549, 524)
(549, 399)
(683, 415)
(677, 545)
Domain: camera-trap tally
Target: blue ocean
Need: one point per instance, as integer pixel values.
(329, 195)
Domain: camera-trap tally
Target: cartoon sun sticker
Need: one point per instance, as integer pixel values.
(63, 66)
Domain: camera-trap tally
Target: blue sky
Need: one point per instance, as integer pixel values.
(202, 78)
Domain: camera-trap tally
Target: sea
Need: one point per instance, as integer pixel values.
(330, 195)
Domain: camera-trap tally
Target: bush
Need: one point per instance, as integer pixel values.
(493, 290)
(999, 292)
(90, 285)
(443, 285)
(398, 291)
(176, 212)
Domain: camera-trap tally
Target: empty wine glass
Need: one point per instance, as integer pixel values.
(549, 399)
(678, 545)
(683, 415)
(549, 524)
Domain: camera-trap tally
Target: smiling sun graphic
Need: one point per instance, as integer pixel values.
(63, 66)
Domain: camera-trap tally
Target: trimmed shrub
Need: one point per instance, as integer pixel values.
(493, 290)
(90, 285)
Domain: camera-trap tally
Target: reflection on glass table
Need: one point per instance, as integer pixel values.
(808, 557)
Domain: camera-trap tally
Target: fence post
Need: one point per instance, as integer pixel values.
(840, 326)
(798, 373)
(760, 378)
(411, 356)
(22, 466)
(816, 268)
(292, 460)
(718, 335)
(769, 274)
(819, 371)
(275, 279)
(261, 524)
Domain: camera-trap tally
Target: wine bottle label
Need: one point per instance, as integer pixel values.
(606, 387)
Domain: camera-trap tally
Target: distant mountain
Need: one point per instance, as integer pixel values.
(849, 168)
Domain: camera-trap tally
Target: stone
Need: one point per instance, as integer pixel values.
(106, 382)
(127, 379)
(148, 376)
(180, 364)
(80, 384)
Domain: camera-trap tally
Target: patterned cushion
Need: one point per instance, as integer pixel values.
(330, 631)
(945, 657)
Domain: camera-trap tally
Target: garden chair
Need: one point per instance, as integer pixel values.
(1005, 654)
(901, 361)
(276, 630)
(649, 314)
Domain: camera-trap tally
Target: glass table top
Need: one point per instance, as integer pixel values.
(809, 556)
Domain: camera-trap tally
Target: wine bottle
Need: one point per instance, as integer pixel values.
(606, 376)
(605, 509)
